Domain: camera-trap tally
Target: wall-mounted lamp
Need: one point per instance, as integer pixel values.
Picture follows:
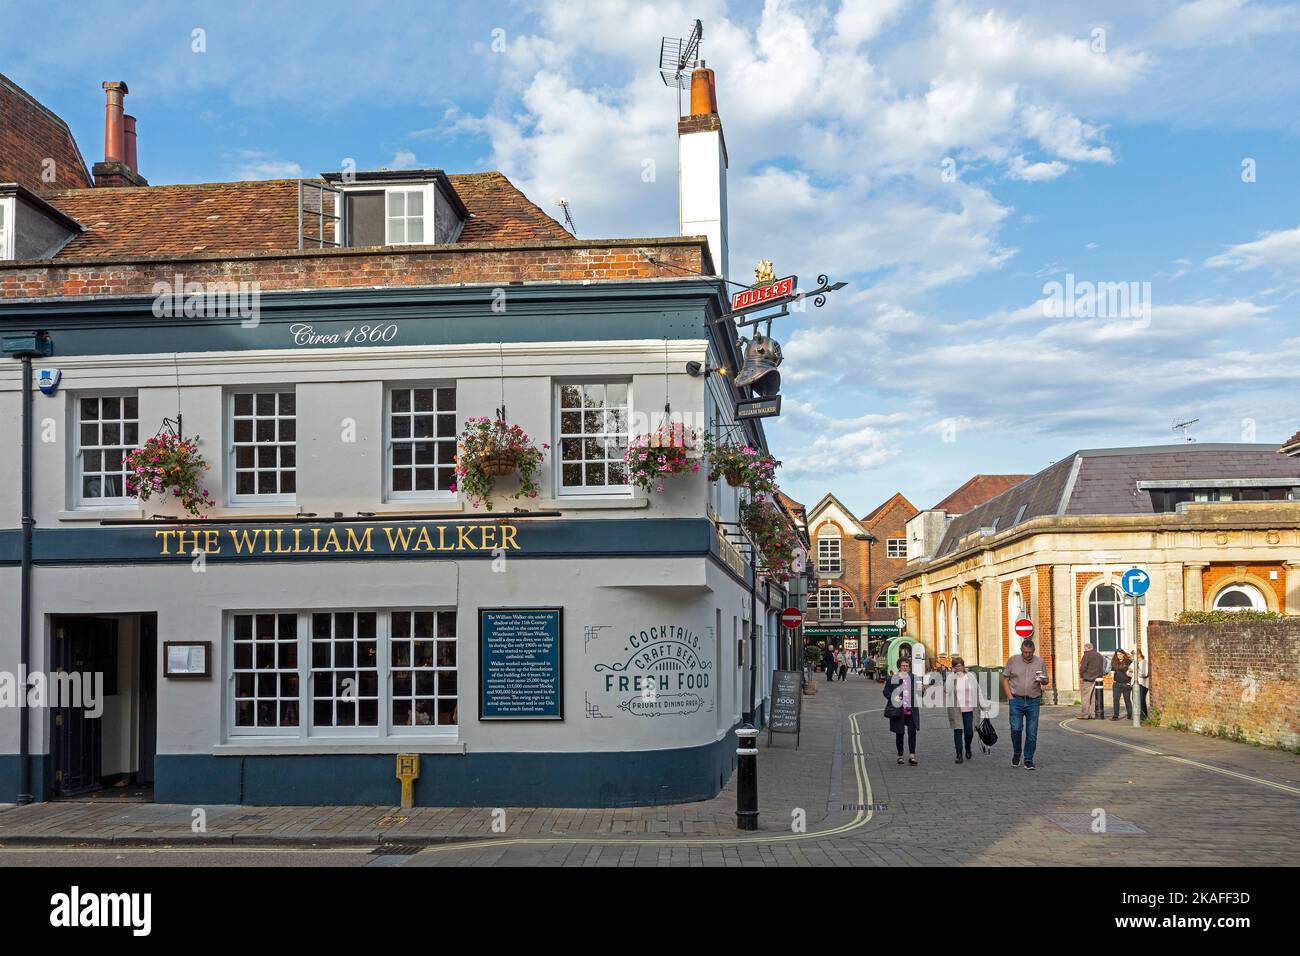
(696, 369)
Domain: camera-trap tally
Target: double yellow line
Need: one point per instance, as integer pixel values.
(1249, 778)
(860, 819)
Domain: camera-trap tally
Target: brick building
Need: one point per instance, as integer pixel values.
(857, 561)
(1215, 526)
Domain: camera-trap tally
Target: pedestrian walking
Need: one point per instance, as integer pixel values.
(828, 663)
(1144, 683)
(1023, 680)
(1121, 684)
(843, 660)
(963, 699)
(1092, 668)
(903, 708)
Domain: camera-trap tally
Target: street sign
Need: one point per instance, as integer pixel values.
(1135, 581)
(768, 407)
(774, 293)
(792, 617)
(1024, 628)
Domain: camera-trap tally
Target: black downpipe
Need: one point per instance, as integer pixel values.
(25, 627)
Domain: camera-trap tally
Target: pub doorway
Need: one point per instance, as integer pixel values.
(103, 706)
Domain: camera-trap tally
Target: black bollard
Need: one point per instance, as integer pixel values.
(746, 778)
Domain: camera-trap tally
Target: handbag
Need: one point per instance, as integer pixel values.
(892, 710)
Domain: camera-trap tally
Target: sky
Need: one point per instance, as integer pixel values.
(970, 169)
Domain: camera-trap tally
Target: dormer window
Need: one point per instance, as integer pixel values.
(405, 216)
(406, 207)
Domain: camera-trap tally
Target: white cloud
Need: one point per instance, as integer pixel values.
(403, 159)
(1041, 172)
(1064, 135)
(260, 164)
(859, 21)
(1220, 22)
(1274, 250)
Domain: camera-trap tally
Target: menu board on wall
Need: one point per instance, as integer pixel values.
(521, 664)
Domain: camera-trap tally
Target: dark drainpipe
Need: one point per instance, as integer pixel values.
(25, 348)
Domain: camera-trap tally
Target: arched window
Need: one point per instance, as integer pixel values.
(1106, 619)
(1240, 597)
(828, 550)
(941, 643)
(831, 603)
(954, 632)
(887, 598)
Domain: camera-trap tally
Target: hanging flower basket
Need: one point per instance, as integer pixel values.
(491, 448)
(741, 466)
(665, 453)
(498, 466)
(773, 535)
(169, 463)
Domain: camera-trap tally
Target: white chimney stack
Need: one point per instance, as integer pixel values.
(702, 169)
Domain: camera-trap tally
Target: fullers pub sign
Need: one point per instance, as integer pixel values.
(330, 539)
(774, 292)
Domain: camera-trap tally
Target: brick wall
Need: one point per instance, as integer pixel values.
(1218, 574)
(1235, 679)
(342, 268)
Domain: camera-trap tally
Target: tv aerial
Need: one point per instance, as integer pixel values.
(1185, 426)
(677, 58)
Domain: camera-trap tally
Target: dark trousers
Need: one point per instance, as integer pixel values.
(1122, 690)
(1142, 701)
(967, 731)
(911, 739)
(844, 671)
(830, 671)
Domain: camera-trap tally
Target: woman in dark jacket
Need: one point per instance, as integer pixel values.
(1121, 684)
(903, 690)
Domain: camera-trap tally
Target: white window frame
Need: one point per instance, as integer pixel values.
(233, 729)
(77, 464)
(232, 482)
(425, 217)
(434, 495)
(895, 547)
(423, 730)
(826, 560)
(8, 242)
(305, 732)
(884, 596)
(585, 491)
(1121, 628)
(941, 639)
(1258, 602)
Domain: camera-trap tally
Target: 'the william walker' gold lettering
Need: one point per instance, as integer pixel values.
(331, 540)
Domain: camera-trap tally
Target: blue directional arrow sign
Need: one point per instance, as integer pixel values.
(1135, 581)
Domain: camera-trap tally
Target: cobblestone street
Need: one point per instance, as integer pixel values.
(1169, 798)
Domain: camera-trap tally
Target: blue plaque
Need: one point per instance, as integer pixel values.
(521, 664)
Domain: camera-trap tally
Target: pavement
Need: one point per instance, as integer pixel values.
(1104, 793)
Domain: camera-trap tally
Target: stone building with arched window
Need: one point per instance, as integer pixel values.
(1215, 525)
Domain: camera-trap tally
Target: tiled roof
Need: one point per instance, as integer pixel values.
(261, 216)
(877, 514)
(30, 135)
(1103, 481)
(976, 491)
(501, 212)
(1291, 446)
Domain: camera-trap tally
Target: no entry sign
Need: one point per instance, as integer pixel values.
(792, 617)
(1024, 628)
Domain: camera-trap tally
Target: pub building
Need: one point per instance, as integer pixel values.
(341, 601)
